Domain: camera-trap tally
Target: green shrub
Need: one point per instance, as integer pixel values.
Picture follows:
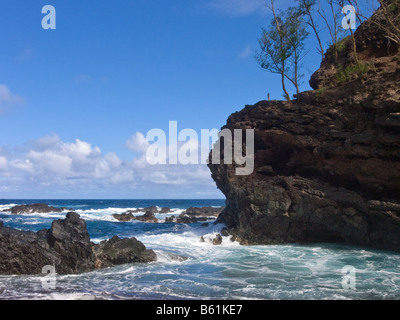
(346, 74)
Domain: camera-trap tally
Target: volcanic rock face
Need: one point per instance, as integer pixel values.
(67, 247)
(327, 165)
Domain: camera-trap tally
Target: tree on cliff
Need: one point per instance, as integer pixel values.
(307, 6)
(282, 46)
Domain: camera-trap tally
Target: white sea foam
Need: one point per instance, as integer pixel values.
(228, 271)
(7, 206)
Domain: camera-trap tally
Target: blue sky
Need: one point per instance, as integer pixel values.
(71, 98)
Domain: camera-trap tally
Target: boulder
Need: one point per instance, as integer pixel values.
(67, 247)
(121, 251)
(147, 217)
(124, 217)
(217, 240)
(165, 210)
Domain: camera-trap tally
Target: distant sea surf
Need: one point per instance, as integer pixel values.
(229, 271)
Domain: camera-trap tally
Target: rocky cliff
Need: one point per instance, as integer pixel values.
(327, 165)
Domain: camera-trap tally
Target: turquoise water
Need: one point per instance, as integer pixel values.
(229, 271)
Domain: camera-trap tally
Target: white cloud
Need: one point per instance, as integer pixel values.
(22, 165)
(8, 99)
(3, 163)
(138, 142)
(51, 165)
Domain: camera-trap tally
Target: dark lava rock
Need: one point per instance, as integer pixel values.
(124, 217)
(66, 246)
(184, 219)
(326, 165)
(147, 217)
(152, 209)
(70, 240)
(203, 212)
(194, 215)
(118, 251)
(170, 219)
(33, 208)
(165, 210)
(217, 240)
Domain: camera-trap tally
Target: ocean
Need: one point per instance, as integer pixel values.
(226, 272)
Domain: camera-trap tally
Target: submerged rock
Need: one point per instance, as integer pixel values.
(67, 247)
(184, 219)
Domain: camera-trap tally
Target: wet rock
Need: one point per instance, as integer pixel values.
(67, 247)
(165, 210)
(225, 232)
(152, 209)
(118, 251)
(217, 240)
(203, 212)
(70, 239)
(170, 219)
(33, 208)
(124, 217)
(184, 219)
(147, 217)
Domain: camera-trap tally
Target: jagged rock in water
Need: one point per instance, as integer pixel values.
(147, 217)
(121, 251)
(327, 165)
(165, 210)
(67, 247)
(203, 212)
(33, 208)
(124, 217)
(217, 240)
